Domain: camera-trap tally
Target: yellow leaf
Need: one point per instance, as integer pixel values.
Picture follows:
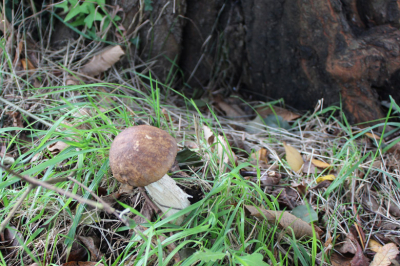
(261, 155)
(385, 254)
(285, 114)
(374, 245)
(293, 157)
(373, 136)
(324, 178)
(320, 164)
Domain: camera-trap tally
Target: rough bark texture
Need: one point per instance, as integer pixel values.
(159, 29)
(323, 49)
(345, 51)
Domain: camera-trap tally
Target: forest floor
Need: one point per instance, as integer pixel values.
(268, 185)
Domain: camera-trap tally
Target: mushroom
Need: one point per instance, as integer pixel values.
(141, 156)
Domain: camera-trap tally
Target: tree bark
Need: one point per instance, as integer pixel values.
(344, 51)
(323, 49)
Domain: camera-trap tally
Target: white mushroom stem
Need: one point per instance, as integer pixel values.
(168, 197)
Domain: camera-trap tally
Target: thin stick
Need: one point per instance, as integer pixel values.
(91, 192)
(106, 207)
(21, 200)
(25, 112)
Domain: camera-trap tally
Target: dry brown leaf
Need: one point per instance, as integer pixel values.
(78, 252)
(385, 254)
(372, 136)
(103, 61)
(260, 155)
(92, 244)
(71, 80)
(320, 164)
(339, 260)
(347, 247)
(374, 245)
(310, 168)
(57, 147)
(231, 111)
(285, 114)
(359, 259)
(393, 208)
(293, 157)
(191, 144)
(27, 64)
(286, 220)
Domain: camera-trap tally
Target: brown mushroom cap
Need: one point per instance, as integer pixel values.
(141, 155)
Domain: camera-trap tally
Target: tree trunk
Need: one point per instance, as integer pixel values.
(345, 51)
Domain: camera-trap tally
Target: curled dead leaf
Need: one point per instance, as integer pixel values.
(320, 164)
(293, 157)
(103, 61)
(286, 221)
(325, 178)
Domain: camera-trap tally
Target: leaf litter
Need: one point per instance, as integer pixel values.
(298, 204)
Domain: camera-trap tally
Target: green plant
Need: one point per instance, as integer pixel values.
(86, 13)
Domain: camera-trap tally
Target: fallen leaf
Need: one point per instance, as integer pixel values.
(166, 115)
(9, 241)
(285, 114)
(320, 164)
(393, 208)
(261, 155)
(103, 61)
(347, 247)
(285, 220)
(385, 254)
(323, 184)
(359, 259)
(310, 168)
(92, 245)
(27, 64)
(371, 203)
(286, 196)
(339, 260)
(372, 136)
(231, 111)
(78, 252)
(57, 147)
(325, 178)
(306, 213)
(293, 157)
(301, 188)
(374, 245)
(269, 179)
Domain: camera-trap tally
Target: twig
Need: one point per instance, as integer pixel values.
(26, 112)
(103, 206)
(21, 200)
